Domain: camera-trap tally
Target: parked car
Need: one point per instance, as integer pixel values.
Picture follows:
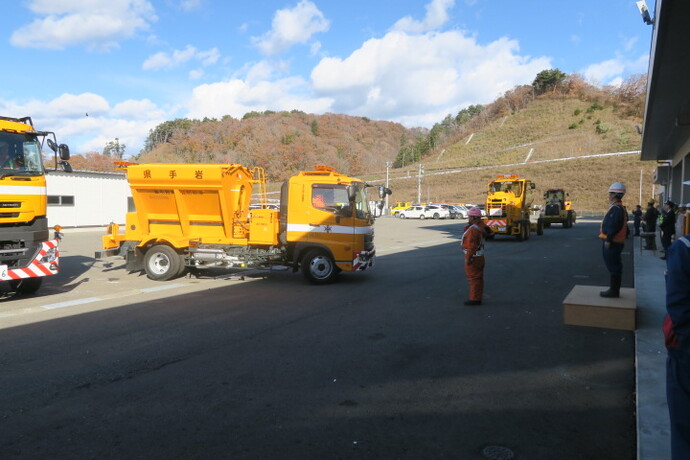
(454, 213)
(424, 212)
(462, 210)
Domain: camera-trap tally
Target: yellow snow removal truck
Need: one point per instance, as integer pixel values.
(509, 207)
(557, 208)
(194, 216)
(27, 254)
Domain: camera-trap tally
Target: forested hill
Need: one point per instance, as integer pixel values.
(281, 142)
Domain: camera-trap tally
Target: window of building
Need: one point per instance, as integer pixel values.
(60, 200)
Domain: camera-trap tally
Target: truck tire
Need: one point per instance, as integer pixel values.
(521, 232)
(318, 267)
(567, 224)
(540, 227)
(27, 285)
(162, 263)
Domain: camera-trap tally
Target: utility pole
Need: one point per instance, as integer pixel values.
(388, 166)
(419, 183)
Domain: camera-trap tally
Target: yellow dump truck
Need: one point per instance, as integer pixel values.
(557, 208)
(27, 253)
(509, 207)
(193, 216)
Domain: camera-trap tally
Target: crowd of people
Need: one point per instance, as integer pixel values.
(672, 221)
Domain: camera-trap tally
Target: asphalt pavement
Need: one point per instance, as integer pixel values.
(386, 364)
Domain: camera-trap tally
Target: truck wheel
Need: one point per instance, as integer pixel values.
(26, 286)
(547, 224)
(162, 263)
(540, 227)
(521, 232)
(566, 224)
(318, 267)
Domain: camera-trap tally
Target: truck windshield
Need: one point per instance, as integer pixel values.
(507, 187)
(20, 155)
(333, 198)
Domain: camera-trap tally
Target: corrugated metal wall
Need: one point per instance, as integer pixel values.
(96, 198)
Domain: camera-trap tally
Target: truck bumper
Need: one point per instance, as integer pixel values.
(45, 263)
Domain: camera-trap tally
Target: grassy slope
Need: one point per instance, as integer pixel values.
(544, 125)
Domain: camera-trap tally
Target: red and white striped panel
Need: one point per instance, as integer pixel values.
(363, 260)
(36, 268)
(496, 223)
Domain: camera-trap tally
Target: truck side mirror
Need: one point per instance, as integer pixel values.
(532, 185)
(64, 151)
(383, 191)
(53, 146)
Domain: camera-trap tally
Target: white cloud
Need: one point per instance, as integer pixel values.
(292, 26)
(196, 74)
(418, 79)
(629, 43)
(142, 109)
(190, 5)
(97, 24)
(66, 115)
(237, 97)
(612, 71)
(179, 57)
(436, 16)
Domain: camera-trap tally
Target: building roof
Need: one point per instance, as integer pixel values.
(667, 111)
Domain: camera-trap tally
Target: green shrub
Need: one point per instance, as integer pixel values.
(598, 122)
(577, 112)
(573, 126)
(602, 128)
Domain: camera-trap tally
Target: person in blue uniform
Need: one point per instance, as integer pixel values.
(614, 231)
(668, 225)
(677, 335)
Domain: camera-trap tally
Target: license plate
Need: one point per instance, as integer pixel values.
(501, 229)
(3, 271)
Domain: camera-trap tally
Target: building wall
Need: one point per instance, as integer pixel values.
(84, 199)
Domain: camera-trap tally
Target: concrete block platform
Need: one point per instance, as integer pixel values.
(583, 306)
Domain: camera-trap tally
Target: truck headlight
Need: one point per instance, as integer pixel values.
(51, 256)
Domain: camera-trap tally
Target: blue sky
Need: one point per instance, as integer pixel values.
(132, 64)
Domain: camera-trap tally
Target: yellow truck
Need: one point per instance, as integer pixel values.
(558, 209)
(509, 207)
(399, 206)
(194, 216)
(27, 253)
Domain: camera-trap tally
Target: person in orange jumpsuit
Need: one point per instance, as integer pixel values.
(473, 247)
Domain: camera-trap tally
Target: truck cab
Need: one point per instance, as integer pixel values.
(508, 207)
(27, 254)
(326, 223)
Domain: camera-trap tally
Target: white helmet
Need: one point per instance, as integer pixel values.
(617, 187)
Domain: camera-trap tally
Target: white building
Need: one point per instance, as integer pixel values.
(87, 198)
